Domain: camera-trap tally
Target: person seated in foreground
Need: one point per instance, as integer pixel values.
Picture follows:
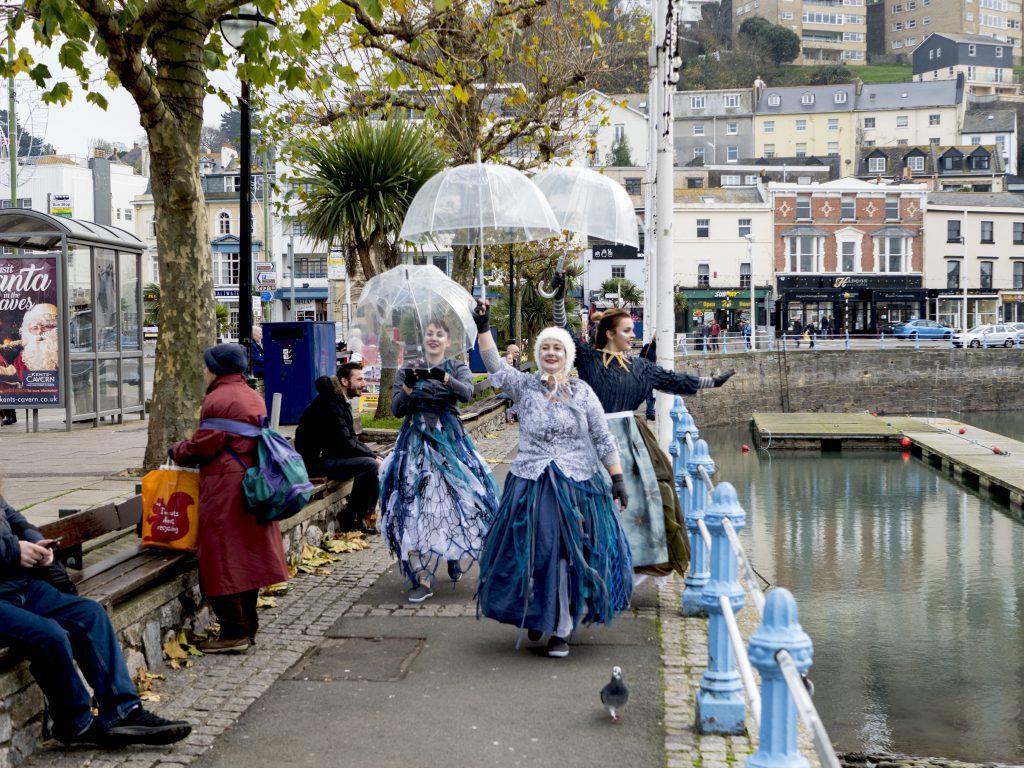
(55, 631)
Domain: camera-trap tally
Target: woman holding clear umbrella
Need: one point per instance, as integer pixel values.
(555, 556)
(654, 523)
(437, 493)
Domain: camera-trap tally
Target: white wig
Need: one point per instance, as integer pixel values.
(562, 336)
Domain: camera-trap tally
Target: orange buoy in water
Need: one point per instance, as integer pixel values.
(745, 448)
(997, 450)
(905, 442)
(962, 430)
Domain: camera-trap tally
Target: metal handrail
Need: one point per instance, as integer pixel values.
(805, 707)
(748, 571)
(742, 660)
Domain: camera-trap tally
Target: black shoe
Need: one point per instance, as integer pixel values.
(454, 571)
(650, 417)
(534, 635)
(8, 420)
(93, 736)
(143, 727)
(558, 647)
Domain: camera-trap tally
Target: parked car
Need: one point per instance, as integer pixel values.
(922, 329)
(987, 336)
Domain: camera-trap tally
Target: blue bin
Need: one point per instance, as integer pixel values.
(476, 363)
(295, 355)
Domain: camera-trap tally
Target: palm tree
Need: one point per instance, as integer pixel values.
(629, 292)
(151, 303)
(358, 184)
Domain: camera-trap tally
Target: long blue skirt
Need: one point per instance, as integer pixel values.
(437, 494)
(540, 523)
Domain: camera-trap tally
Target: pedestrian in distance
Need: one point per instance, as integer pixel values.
(716, 332)
(238, 554)
(746, 334)
(555, 556)
(327, 441)
(437, 493)
(809, 333)
(654, 524)
(65, 638)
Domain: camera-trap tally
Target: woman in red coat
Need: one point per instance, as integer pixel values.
(237, 553)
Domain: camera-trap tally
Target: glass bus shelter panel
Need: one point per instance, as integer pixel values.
(131, 382)
(83, 387)
(109, 381)
(80, 299)
(104, 307)
(128, 265)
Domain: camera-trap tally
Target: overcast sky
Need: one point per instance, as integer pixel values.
(72, 127)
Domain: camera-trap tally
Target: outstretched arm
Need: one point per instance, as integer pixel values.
(674, 383)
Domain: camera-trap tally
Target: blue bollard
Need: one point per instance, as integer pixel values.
(783, 342)
(682, 422)
(725, 342)
(780, 629)
(699, 572)
(685, 352)
(847, 340)
(720, 704)
(771, 344)
(881, 341)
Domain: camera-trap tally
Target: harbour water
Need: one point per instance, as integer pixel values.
(911, 587)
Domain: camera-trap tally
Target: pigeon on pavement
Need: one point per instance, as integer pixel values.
(615, 694)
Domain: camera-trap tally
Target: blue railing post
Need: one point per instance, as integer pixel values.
(720, 704)
(699, 572)
(682, 422)
(783, 341)
(881, 341)
(780, 629)
(917, 341)
(847, 340)
(685, 352)
(771, 343)
(725, 341)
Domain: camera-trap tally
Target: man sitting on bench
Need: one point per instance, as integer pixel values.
(54, 630)
(326, 438)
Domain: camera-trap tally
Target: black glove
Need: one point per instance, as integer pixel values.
(558, 286)
(437, 374)
(410, 378)
(721, 378)
(170, 454)
(619, 490)
(482, 316)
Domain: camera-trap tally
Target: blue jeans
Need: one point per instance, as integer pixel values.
(54, 630)
(650, 406)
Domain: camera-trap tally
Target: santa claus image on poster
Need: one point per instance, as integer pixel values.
(29, 333)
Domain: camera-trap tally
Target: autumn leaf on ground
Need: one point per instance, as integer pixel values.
(266, 602)
(491, 435)
(275, 589)
(174, 651)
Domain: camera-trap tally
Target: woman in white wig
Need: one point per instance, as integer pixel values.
(555, 556)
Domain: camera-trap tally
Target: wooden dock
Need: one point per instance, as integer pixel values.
(969, 457)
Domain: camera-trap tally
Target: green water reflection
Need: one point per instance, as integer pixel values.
(911, 588)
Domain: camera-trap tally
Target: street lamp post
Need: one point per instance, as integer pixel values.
(753, 296)
(233, 28)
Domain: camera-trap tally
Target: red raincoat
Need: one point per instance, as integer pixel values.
(236, 552)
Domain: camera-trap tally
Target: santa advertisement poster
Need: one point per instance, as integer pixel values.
(29, 332)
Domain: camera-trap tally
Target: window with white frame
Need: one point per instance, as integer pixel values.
(902, 121)
(999, 51)
(769, 126)
(972, 49)
(801, 149)
(911, 23)
(848, 207)
(897, 26)
(744, 274)
(807, 99)
(731, 129)
(732, 100)
(769, 150)
(787, 15)
(952, 275)
(840, 97)
(225, 268)
(698, 129)
(750, 178)
(926, 21)
(729, 180)
(833, 123)
(732, 153)
(972, 72)
(1018, 275)
(892, 252)
(869, 122)
(876, 165)
(127, 214)
(833, 149)
(619, 132)
(915, 163)
(152, 226)
(774, 100)
(847, 255)
(803, 207)
(934, 119)
(911, 41)
(902, 142)
(697, 102)
(224, 223)
(698, 153)
(801, 126)
(803, 253)
(975, 141)
(703, 275)
(703, 228)
(618, 272)
(892, 207)
(743, 227)
(986, 275)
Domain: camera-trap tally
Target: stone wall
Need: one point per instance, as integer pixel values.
(143, 625)
(903, 380)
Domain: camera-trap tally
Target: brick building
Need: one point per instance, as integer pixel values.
(849, 252)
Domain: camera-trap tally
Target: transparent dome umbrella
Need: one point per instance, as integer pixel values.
(397, 306)
(588, 203)
(479, 204)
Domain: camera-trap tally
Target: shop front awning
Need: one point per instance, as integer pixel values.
(285, 294)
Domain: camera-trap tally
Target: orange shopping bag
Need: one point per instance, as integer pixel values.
(170, 508)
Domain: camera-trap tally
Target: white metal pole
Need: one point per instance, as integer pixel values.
(291, 271)
(664, 34)
(650, 215)
(753, 296)
(963, 265)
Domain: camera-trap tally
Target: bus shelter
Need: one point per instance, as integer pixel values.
(70, 317)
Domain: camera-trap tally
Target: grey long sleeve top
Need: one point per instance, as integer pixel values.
(570, 432)
(433, 395)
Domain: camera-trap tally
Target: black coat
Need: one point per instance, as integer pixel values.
(327, 429)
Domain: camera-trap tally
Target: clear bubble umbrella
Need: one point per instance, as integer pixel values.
(396, 307)
(479, 204)
(588, 203)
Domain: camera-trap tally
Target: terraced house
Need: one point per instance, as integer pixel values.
(829, 30)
